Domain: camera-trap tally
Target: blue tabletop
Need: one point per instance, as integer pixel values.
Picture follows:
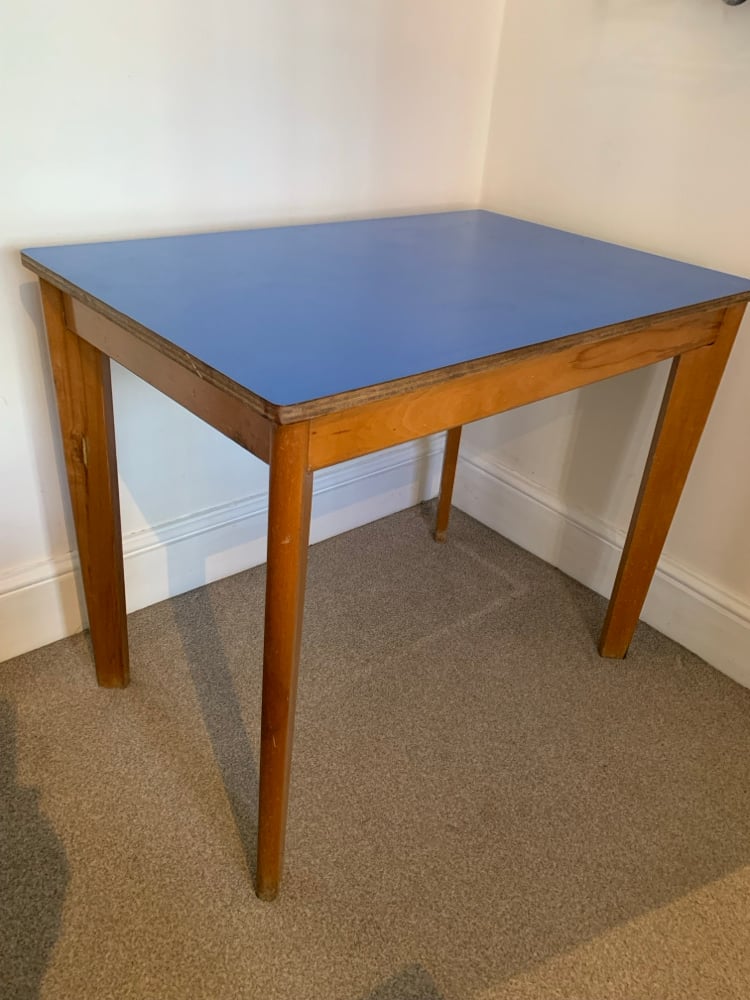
(300, 312)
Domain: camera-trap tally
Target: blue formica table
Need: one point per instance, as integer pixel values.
(313, 344)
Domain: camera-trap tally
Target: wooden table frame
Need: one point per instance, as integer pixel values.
(295, 441)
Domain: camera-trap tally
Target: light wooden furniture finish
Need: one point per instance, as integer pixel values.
(84, 402)
(290, 500)
(693, 381)
(447, 479)
(299, 436)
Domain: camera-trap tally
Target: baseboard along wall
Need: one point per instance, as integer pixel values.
(42, 603)
(711, 623)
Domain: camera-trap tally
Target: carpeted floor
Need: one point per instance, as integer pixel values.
(481, 806)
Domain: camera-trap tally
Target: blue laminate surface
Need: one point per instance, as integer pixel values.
(300, 312)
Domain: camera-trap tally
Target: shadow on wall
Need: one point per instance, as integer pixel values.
(33, 877)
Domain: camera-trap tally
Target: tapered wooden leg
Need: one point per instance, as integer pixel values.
(690, 391)
(450, 459)
(84, 403)
(290, 498)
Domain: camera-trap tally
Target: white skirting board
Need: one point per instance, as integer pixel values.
(41, 603)
(690, 610)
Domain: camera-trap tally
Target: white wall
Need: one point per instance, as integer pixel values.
(627, 120)
(154, 117)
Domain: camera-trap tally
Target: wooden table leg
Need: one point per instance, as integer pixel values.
(290, 499)
(450, 459)
(84, 403)
(690, 391)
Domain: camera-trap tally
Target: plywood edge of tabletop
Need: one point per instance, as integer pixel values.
(207, 394)
(152, 338)
(513, 379)
(354, 398)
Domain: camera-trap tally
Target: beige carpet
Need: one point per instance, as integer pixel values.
(481, 807)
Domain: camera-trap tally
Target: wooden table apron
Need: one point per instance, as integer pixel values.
(296, 441)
